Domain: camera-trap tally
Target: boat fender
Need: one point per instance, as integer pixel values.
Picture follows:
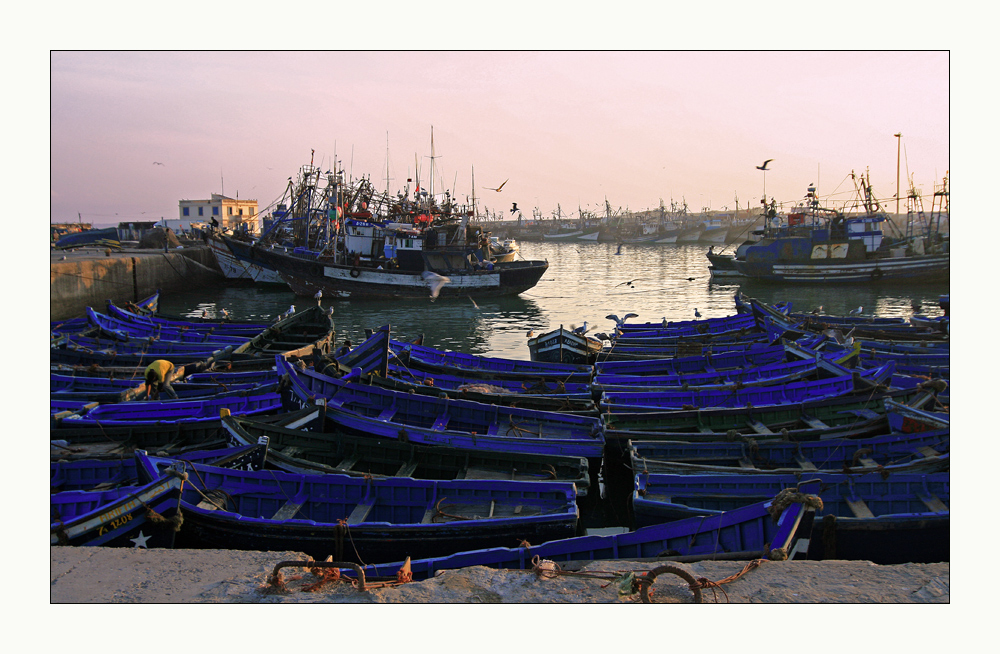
(355, 272)
(876, 275)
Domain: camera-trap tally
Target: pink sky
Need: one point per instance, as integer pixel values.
(566, 128)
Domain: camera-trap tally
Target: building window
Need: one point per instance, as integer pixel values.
(230, 211)
(186, 211)
(215, 211)
(241, 211)
(251, 211)
(201, 211)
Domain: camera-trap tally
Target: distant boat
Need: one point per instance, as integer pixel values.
(564, 346)
(826, 246)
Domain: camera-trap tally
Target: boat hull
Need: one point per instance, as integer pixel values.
(929, 268)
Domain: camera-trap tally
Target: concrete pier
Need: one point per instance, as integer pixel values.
(90, 276)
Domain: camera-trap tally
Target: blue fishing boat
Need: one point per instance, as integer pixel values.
(312, 452)
(128, 516)
(363, 519)
(756, 396)
(230, 327)
(411, 417)
(926, 451)
(459, 364)
(777, 529)
(123, 330)
(105, 474)
(895, 518)
(826, 246)
(252, 402)
(909, 419)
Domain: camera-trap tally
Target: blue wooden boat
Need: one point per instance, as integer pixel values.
(230, 327)
(755, 396)
(564, 346)
(769, 374)
(370, 519)
(129, 516)
(416, 418)
(312, 452)
(909, 419)
(894, 518)
(686, 327)
(761, 530)
(459, 364)
(378, 365)
(102, 441)
(927, 451)
(105, 474)
(761, 354)
(765, 421)
(252, 402)
(146, 346)
(122, 330)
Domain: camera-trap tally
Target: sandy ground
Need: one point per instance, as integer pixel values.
(83, 575)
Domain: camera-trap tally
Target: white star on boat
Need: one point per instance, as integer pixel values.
(140, 540)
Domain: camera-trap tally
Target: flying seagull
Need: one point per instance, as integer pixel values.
(157, 163)
(435, 281)
(497, 189)
(514, 208)
(764, 167)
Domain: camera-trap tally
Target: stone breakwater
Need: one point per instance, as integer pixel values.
(92, 276)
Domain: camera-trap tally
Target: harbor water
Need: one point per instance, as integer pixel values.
(585, 282)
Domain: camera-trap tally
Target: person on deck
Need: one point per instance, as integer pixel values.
(158, 379)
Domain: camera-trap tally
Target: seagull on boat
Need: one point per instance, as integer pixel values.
(225, 314)
(764, 166)
(621, 321)
(497, 189)
(818, 310)
(435, 281)
(318, 296)
(696, 314)
(664, 323)
(531, 333)
(855, 312)
(580, 330)
(602, 336)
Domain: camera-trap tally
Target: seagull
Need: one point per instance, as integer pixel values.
(855, 312)
(629, 282)
(318, 296)
(602, 336)
(619, 249)
(531, 333)
(764, 167)
(497, 189)
(435, 281)
(582, 329)
(915, 305)
(691, 279)
(291, 309)
(204, 313)
(621, 321)
(513, 209)
(225, 314)
(696, 314)
(157, 163)
(818, 310)
(664, 323)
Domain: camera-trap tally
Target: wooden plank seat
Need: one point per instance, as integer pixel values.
(287, 510)
(858, 507)
(361, 511)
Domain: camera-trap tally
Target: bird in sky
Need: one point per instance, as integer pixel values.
(157, 163)
(497, 189)
(764, 166)
(514, 208)
(697, 314)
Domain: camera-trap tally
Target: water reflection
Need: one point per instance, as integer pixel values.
(585, 282)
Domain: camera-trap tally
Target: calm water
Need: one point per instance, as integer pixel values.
(584, 282)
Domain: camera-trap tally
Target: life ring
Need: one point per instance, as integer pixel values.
(355, 272)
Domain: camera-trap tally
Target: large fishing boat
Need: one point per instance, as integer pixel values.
(339, 240)
(821, 245)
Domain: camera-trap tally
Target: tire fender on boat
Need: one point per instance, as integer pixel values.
(355, 272)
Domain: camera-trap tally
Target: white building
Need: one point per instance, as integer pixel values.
(232, 214)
